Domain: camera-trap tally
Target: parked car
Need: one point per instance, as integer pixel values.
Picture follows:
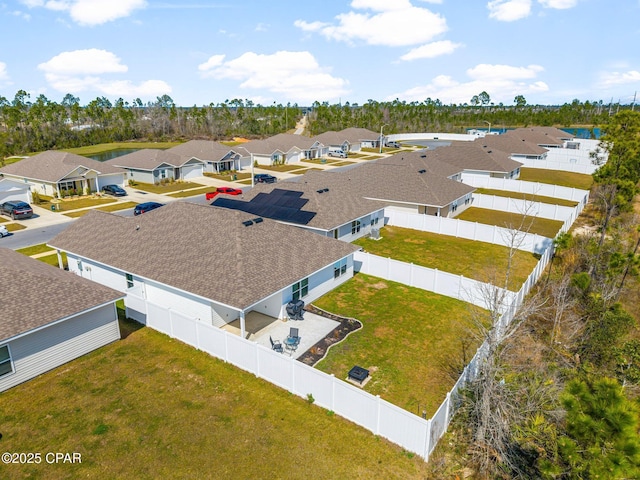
(393, 145)
(146, 207)
(16, 209)
(264, 178)
(225, 190)
(337, 153)
(114, 190)
(3, 231)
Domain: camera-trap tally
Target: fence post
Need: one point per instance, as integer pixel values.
(435, 279)
(378, 403)
(427, 442)
(333, 392)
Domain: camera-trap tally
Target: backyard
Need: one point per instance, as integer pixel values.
(152, 407)
(527, 197)
(413, 342)
(556, 177)
(477, 260)
(541, 226)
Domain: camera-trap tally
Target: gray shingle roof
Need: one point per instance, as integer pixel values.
(537, 136)
(510, 144)
(34, 294)
(202, 150)
(473, 156)
(283, 142)
(204, 250)
(52, 166)
(148, 159)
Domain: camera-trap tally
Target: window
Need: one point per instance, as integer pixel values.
(129, 280)
(6, 366)
(355, 227)
(454, 205)
(335, 234)
(300, 289)
(340, 268)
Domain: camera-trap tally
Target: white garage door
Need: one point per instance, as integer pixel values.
(191, 171)
(22, 195)
(112, 179)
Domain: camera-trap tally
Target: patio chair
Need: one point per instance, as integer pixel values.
(293, 333)
(276, 345)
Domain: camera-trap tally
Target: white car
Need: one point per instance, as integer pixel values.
(337, 153)
(3, 231)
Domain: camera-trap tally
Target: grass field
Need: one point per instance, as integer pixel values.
(105, 147)
(556, 177)
(542, 226)
(34, 249)
(166, 188)
(411, 341)
(478, 260)
(281, 168)
(114, 207)
(527, 197)
(149, 407)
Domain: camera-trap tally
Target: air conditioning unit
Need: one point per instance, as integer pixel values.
(375, 233)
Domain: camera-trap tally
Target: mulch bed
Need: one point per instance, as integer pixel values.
(319, 350)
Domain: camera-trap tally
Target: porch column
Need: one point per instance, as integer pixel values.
(242, 330)
(60, 262)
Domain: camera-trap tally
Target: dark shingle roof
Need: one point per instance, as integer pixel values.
(202, 150)
(52, 166)
(148, 159)
(204, 250)
(34, 294)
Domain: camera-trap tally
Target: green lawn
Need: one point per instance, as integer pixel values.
(556, 177)
(192, 193)
(228, 177)
(281, 168)
(34, 249)
(53, 259)
(541, 226)
(150, 407)
(411, 341)
(105, 147)
(14, 227)
(478, 260)
(166, 188)
(114, 207)
(525, 196)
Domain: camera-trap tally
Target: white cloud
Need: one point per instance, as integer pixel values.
(82, 70)
(90, 61)
(293, 75)
(509, 10)
(611, 79)
(558, 4)
(393, 24)
(501, 82)
(90, 12)
(4, 76)
(431, 50)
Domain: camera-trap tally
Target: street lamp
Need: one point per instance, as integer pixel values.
(251, 159)
(381, 137)
(489, 126)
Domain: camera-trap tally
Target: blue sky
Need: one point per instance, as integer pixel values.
(200, 52)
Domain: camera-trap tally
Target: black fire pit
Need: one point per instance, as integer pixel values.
(358, 374)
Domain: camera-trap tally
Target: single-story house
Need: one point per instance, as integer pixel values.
(475, 159)
(332, 140)
(515, 146)
(151, 165)
(331, 209)
(13, 190)
(52, 172)
(216, 156)
(207, 263)
(542, 138)
(49, 317)
(283, 148)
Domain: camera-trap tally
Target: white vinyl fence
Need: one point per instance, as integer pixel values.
(523, 207)
(480, 232)
(521, 186)
(430, 279)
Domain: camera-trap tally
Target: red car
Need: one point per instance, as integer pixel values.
(225, 190)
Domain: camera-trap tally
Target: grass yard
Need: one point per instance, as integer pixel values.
(53, 259)
(412, 341)
(74, 203)
(228, 177)
(34, 249)
(114, 207)
(281, 168)
(556, 177)
(14, 227)
(166, 188)
(525, 196)
(192, 193)
(542, 226)
(150, 407)
(105, 147)
(478, 260)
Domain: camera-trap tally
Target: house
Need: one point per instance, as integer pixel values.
(49, 317)
(216, 156)
(212, 264)
(283, 148)
(516, 147)
(329, 208)
(53, 172)
(13, 190)
(151, 165)
(544, 138)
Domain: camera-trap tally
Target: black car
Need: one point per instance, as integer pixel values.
(146, 207)
(114, 190)
(16, 209)
(264, 178)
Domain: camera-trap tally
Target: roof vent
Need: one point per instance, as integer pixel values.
(258, 220)
(424, 155)
(319, 191)
(422, 171)
(246, 223)
(325, 189)
(489, 151)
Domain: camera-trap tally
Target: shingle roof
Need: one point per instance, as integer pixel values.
(52, 166)
(148, 159)
(283, 142)
(204, 250)
(304, 203)
(202, 150)
(510, 144)
(473, 156)
(535, 135)
(356, 134)
(34, 294)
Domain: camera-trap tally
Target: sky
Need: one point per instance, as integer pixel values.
(202, 52)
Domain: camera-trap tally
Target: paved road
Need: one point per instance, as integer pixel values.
(33, 236)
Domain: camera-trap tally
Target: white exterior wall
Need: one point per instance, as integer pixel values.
(140, 176)
(58, 344)
(271, 306)
(321, 282)
(182, 302)
(111, 179)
